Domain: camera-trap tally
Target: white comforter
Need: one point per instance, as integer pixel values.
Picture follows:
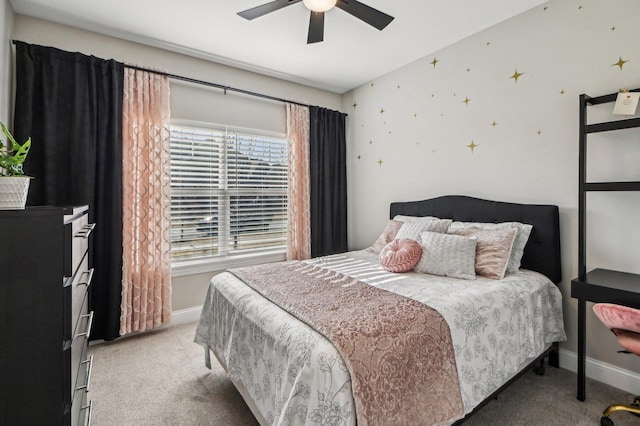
(295, 376)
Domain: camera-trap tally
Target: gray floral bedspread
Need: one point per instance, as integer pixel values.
(295, 376)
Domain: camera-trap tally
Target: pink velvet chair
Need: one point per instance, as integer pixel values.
(624, 322)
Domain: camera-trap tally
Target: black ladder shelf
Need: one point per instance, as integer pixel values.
(598, 285)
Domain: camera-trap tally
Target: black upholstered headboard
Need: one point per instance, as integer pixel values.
(542, 252)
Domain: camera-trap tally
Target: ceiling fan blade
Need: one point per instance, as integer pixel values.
(365, 13)
(258, 11)
(316, 27)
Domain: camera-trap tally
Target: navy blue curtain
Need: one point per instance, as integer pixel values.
(328, 169)
(71, 106)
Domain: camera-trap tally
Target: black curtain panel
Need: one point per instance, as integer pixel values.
(71, 106)
(328, 169)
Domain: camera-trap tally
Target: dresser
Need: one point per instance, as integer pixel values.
(45, 322)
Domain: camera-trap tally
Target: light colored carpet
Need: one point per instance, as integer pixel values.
(159, 378)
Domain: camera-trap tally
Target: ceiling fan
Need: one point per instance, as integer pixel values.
(361, 11)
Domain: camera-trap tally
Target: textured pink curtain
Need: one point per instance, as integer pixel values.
(299, 199)
(146, 257)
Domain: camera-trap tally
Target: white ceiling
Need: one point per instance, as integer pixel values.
(352, 53)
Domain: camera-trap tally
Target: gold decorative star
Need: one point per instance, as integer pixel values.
(620, 63)
(494, 124)
(434, 62)
(381, 110)
(466, 101)
(516, 75)
(380, 162)
(354, 105)
(472, 146)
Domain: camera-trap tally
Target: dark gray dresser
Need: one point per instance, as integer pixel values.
(45, 374)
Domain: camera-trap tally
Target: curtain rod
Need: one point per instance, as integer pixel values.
(216, 85)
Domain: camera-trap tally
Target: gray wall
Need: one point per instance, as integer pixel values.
(530, 154)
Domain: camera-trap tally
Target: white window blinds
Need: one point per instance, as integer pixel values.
(228, 193)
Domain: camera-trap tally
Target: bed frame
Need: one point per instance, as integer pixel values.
(541, 254)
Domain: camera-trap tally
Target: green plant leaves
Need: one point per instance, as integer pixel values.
(12, 160)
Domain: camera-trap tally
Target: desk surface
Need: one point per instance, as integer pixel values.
(604, 285)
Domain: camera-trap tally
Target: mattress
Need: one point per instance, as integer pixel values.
(292, 375)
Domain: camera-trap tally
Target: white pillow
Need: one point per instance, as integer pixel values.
(401, 218)
(447, 255)
(412, 230)
(522, 236)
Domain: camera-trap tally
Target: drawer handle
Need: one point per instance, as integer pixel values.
(89, 369)
(87, 417)
(86, 333)
(85, 231)
(89, 278)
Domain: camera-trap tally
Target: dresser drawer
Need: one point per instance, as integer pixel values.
(79, 351)
(77, 231)
(74, 294)
(81, 410)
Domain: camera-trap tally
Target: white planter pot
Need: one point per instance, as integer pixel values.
(13, 192)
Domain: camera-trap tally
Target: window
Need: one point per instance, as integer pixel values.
(228, 196)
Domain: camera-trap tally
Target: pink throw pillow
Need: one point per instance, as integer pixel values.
(401, 255)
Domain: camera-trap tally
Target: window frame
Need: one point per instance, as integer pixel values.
(214, 264)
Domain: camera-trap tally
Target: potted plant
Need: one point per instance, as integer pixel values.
(14, 185)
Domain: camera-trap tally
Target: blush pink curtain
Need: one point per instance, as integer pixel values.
(146, 257)
(299, 198)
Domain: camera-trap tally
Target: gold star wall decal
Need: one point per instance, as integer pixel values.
(434, 62)
(380, 162)
(472, 146)
(620, 63)
(516, 75)
(466, 101)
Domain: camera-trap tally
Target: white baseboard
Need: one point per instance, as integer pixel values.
(184, 316)
(603, 372)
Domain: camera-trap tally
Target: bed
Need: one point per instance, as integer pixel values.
(291, 374)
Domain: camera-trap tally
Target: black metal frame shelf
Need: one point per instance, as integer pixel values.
(598, 285)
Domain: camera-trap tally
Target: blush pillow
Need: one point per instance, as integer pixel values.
(388, 235)
(493, 249)
(400, 255)
(522, 236)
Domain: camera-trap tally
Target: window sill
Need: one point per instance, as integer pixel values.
(180, 269)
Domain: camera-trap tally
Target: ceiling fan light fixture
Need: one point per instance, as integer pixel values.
(319, 5)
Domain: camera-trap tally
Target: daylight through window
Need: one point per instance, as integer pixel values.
(228, 193)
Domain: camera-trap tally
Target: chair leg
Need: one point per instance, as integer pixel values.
(621, 407)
